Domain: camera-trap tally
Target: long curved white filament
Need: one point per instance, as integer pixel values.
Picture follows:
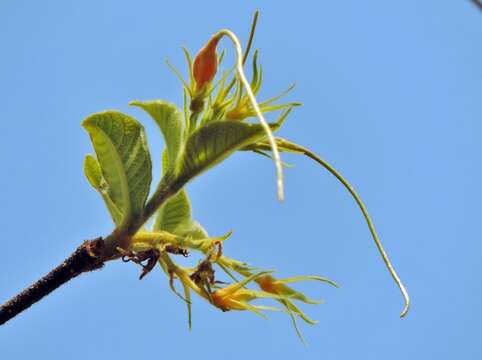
(254, 103)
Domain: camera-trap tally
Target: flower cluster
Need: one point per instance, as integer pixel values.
(223, 100)
(160, 246)
(207, 102)
(211, 128)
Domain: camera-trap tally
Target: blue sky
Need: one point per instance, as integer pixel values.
(392, 97)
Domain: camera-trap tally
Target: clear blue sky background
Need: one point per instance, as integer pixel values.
(392, 97)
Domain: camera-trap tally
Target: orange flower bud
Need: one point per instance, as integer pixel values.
(270, 284)
(205, 63)
(278, 286)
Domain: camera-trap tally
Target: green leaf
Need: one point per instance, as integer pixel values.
(93, 173)
(120, 145)
(170, 120)
(175, 211)
(175, 216)
(165, 161)
(192, 229)
(213, 143)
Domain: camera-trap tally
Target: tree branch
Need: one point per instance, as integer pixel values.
(88, 257)
(477, 3)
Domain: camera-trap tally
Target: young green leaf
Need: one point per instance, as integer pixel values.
(214, 142)
(175, 216)
(170, 120)
(175, 211)
(125, 163)
(93, 173)
(191, 229)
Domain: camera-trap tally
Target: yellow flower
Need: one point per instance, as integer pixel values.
(236, 297)
(278, 286)
(235, 300)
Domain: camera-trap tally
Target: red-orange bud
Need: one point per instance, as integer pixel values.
(206, 63)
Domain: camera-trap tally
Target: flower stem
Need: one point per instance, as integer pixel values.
(259, 114)
(248, 48)
(300, 149)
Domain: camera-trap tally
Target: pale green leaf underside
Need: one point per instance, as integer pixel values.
(214, 142)
(192, 229)
(165, 160)
(170, 120)
(175, 211)
(121, 149)
(93, 173)
(175, 216)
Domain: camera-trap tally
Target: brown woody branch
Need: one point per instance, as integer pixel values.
(477, 3)
(88, 257)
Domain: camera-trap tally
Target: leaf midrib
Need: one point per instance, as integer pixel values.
(219, 158)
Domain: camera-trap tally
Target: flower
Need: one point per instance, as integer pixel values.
(236, 297)
(275, 286)
(284, 294)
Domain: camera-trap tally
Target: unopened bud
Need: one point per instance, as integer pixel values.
(206, 63)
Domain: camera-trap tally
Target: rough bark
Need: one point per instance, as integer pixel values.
(88, 257)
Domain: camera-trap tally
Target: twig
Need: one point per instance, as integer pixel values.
(477, 3)
(88, 257)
